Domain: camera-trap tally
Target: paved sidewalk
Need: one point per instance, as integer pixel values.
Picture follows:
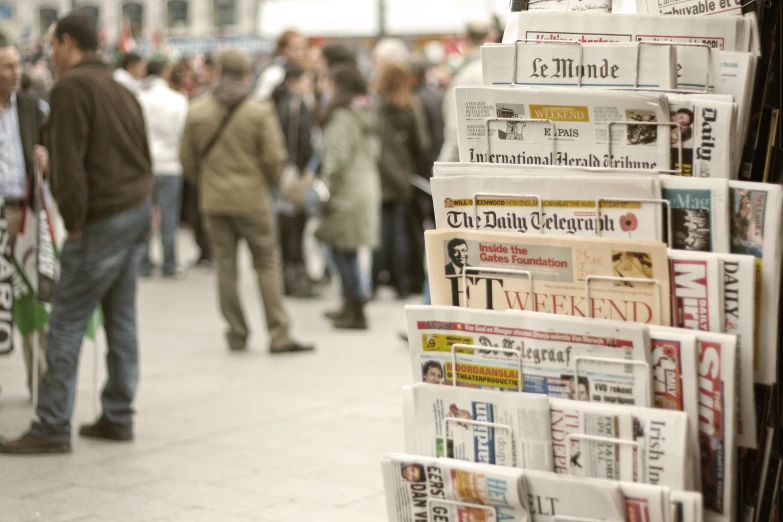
(219, 436)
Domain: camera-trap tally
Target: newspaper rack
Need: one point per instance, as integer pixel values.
(509, 271)
(484, 424)
(507, 351)
(454, 503)
(665, 202)
(477, 195)
(599, 440)
(658, 299)
(643, 364)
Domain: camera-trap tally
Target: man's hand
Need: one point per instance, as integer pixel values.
(41, 156)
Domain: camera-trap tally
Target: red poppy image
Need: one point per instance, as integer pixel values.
(670, 352)
(628, 222)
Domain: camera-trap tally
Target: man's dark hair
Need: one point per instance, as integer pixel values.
(454, 243)
(338, 54)
(128, 59)
(81, 29)
(156, 67)
(431, 364)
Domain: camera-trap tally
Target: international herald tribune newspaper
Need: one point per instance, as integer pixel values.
(562, 357)
(516, 433)
(570, 205)
(558, 266)
(527, 126)
(697, 291)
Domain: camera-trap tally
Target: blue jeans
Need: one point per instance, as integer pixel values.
(393, 253)
(347, 264)
(98, 268)
(168, 196)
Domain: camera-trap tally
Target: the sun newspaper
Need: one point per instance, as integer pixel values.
(563, 271)
(511, 204)
(514, 430)
(755, 218)
(562, 357)
(559, 64)
(425, 489)
(697, 291)
(690, 7)
(572, 127)
(571, 6)
(700, 209)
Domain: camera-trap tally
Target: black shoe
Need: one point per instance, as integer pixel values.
(354, 319)
(29, 444)
(292, 347)
(103, 429)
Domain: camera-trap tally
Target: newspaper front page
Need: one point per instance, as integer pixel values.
(414, 485)
(690, 7)
(697, 291)
(700, 209)
(516, 432)
(563, 357)
(527, 126)
(450, 170)
(559, 268)
(552, 495)
(755, 214)
(570, 205)
(605, 66)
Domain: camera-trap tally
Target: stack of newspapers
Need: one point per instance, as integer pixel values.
(602, 342)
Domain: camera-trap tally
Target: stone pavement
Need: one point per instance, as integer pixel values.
(219, 436)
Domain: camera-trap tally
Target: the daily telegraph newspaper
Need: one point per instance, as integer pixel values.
(552, 495)
(516, 432)
(567, 127)
(560, 64)
(700, 209)
(562, 357)
(571, 6)
(755, 214)
(724, 33)
(739, 318)
(414, 485)
(690, 7)
(686, 506)
(559, 268)
(717, 420)
(657, 450)
(697, 291)
(570, 205)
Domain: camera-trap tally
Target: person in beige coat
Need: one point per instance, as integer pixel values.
(233, 149)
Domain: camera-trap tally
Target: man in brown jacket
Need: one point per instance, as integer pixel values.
(101, 179)
(233, 149)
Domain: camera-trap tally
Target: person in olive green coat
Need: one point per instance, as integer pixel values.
(351, 218)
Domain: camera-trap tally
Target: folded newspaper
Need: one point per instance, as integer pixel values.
(697, 291)
(700, 209)
(601, 278)
(593, 128)
(755, 216)
(564, 357)
(569, 204)
(506, 429)
(424, 489)
(561, 497)
(560, 64)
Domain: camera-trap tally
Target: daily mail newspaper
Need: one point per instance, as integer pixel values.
(697, 291)
(690, 7)
(700, 209)
(755, 216)
(563, 357)
(573, 127)
(559, 268)
(552, 495)
(425, 489)
(572, 206)
(515, 432)
(686, 506)
(717, 418)
(559, 64)
(739, 318)
(571, 6)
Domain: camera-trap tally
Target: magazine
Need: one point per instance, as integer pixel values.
(690, 7)
(531, 126)
(571, 6)
(686, 506)
(700, 209)
(697, 291)
(739, 318)
(551, 495)
(604, 66)
(559, 268)
(755, 214)
(569, 204)
(424, 489)
(518, 433)
(563, 357)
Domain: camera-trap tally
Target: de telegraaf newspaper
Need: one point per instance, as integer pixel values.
(562, 357)
(697, 291)
(700, 209)
(571, 6)
(551, 495)
(690, 7)
(717, 421)
(755, 214)
(514, 429)
(560, 64)
(463, 264)
(425, 489)
(739, 318)
(686, 506)
(531, 126)
(511, 204)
